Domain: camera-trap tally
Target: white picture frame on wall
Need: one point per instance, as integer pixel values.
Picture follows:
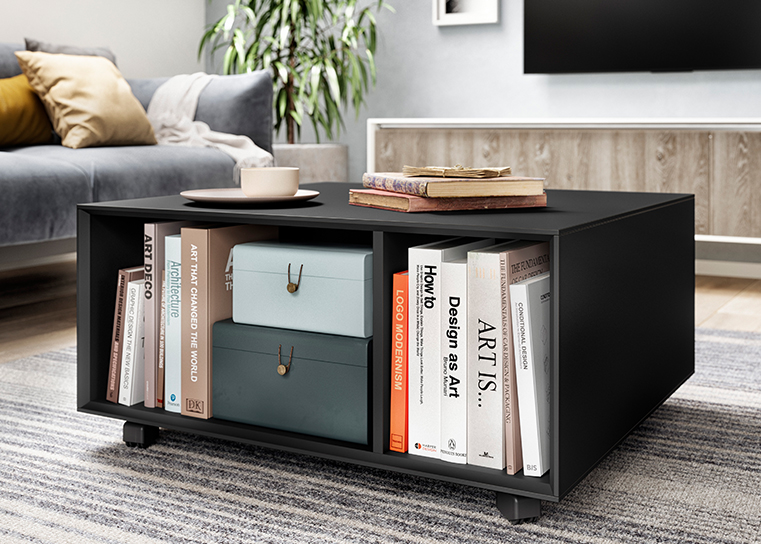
(465, 12)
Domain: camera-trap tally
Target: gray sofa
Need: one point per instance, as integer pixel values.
(40, 185)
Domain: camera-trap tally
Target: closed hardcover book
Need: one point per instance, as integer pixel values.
(207, 298)
(131, 380)
(160, 376)
(153, 259)
(486, 420)
(454, 356)
(115, 364)
(522, 261)
(399, 355)
(173, 326)
(403, 202)
(424, 347)
(453, 187)
(531, 333)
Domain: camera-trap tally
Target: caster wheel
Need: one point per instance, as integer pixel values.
(135, 434)
(524, 520)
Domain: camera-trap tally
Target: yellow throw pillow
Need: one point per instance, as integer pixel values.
(23, 120)
(88, 100)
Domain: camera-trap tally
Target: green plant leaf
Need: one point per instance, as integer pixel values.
(282, 101)
(282, 72)
(371, 63)
(335, 88)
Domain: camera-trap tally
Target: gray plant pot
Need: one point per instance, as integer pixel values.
(316, 162)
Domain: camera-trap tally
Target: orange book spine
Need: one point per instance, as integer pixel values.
(399, 372)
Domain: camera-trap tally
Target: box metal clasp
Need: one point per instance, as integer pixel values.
(293, 287)
(281, 368)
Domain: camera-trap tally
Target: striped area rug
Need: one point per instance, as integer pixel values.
(690, 474)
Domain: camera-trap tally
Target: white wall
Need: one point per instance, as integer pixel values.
(150, 38)
(477, 71)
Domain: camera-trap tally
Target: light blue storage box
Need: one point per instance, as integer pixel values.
(334, 296)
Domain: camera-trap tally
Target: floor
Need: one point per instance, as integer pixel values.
(38, 307)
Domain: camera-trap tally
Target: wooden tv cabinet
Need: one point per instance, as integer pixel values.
(622, 336)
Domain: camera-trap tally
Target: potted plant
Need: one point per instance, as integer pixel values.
(321, 53)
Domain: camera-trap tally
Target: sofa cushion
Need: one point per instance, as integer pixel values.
(36, 45)
(23, 119)
(39, 197)
(141, 171)
(87, 99)
(8, 64)
(238, 104)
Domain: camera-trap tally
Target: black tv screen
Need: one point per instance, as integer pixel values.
(572, 36)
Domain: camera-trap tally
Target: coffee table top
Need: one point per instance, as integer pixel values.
(566, 211)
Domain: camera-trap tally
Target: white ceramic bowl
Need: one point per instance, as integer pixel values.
(273, 181)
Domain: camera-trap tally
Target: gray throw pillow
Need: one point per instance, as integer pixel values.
(8, 64)
(36, 45)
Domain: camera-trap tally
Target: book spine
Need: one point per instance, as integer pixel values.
(137, 393)
(396, 184)
(530, 377)
(151, 309)
(173, 350)
(454, 325)
(424, 425)
(162, 346)
(114, 370)
(513, 451)
(516, 266)
(399, 372)
(195, 326)
(486, 442)
(126, 380)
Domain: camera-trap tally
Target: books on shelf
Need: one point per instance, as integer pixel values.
(207, 298)
(494, 438)
(131, 389)
(531, 331)
(153, 257)
(454, 357)
(404, 202)
(173, 324)
(469, 341)
(399, 358)
(124, 276)
(520, 261)
(424, 348)
(433, 187)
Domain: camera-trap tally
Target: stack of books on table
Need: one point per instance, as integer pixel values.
(452, 190)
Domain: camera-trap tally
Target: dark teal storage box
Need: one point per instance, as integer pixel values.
(324, 393)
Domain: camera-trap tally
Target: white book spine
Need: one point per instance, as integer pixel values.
(424, 425)
(531, 334)
(173, 326)
(131, 380)
(454, 356)
(486, 428)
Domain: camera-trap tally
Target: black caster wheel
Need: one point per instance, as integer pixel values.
(136, 435)
(518, 509)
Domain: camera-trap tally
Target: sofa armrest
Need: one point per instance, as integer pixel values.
(237, 104)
